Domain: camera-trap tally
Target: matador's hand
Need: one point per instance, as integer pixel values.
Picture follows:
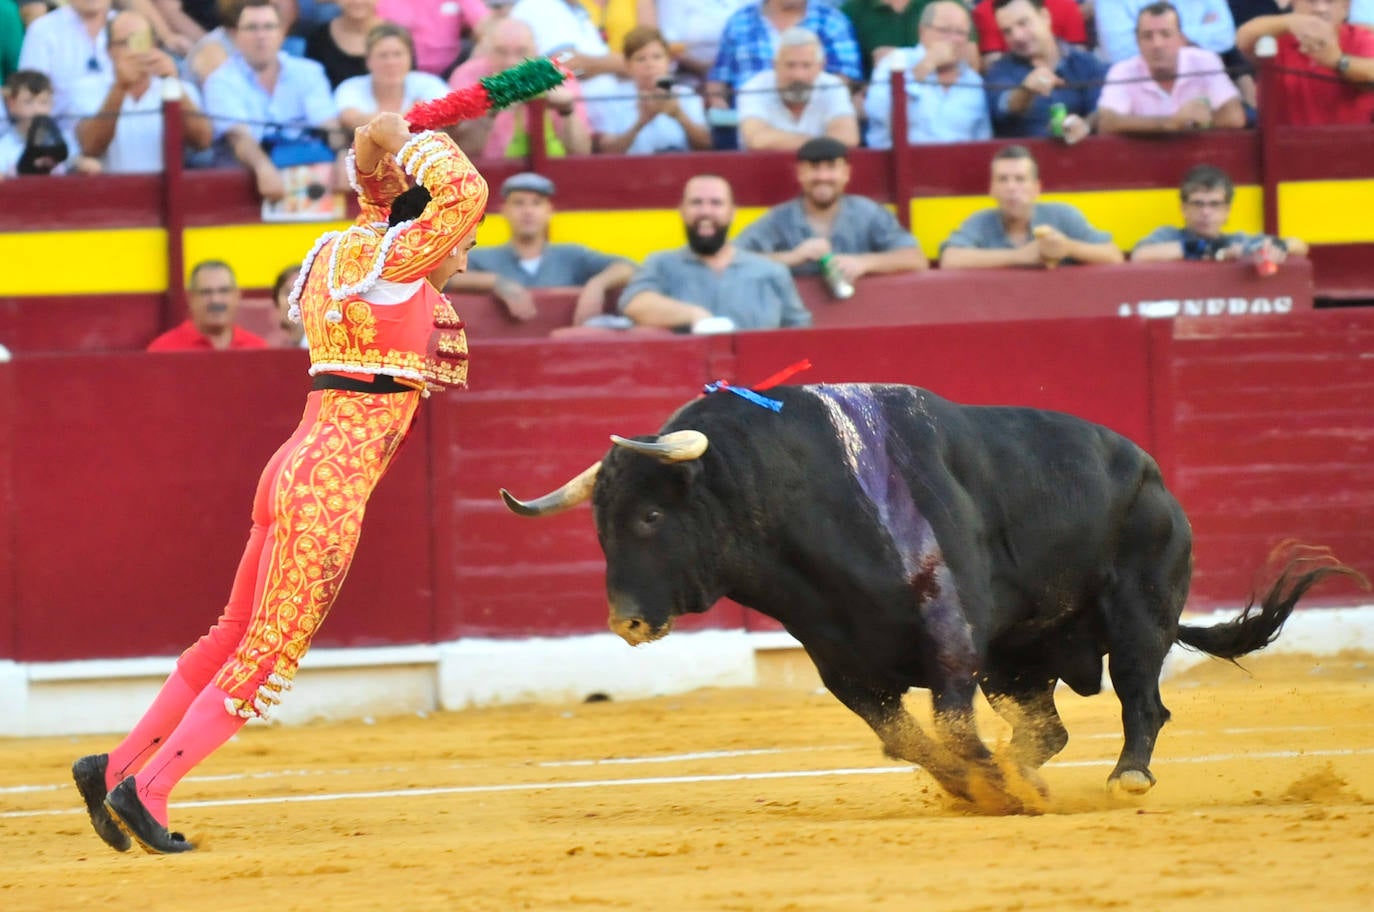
(389, 131)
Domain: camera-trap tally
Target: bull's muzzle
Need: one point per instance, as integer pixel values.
(636, 630)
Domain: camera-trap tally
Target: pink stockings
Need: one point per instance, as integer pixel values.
(307, 516)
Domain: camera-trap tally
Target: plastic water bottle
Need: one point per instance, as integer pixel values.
(839, 286)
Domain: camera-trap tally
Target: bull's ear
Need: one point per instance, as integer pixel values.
(685, 476)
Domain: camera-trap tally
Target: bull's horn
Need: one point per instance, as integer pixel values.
(679, 446)
(570, 495)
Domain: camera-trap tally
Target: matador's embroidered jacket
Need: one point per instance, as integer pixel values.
(366, 307)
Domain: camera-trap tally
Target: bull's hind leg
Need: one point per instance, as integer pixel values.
(1140, 610)
(1037, 732)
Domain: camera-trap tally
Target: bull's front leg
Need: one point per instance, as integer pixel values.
(999, 785)
(902, 736)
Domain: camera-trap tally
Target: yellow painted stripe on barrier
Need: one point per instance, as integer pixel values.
(1128, 215)
(259, 252)
(83, 262)
(134, 259)
(1327, 212)
(634, 233)
(256, 252)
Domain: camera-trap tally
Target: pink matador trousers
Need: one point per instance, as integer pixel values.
(307, 517)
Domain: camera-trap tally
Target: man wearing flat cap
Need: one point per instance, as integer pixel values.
(860, 235)
(529, 260)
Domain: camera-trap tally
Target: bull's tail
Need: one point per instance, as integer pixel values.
(1303, 567)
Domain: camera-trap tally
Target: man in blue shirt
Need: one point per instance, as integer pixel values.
(263, 97)
(1037, 72)
(1022, 231)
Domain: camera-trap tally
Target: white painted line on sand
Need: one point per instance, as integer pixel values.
(666, 758)
(667, 780)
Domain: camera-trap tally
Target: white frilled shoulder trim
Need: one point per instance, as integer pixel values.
(294, 299)
(419, 153)
(340, 292)
(351, 168)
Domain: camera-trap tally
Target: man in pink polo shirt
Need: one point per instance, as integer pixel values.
(1169, 86)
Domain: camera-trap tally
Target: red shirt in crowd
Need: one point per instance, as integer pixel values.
(1314, 94)
(185, 337)
(1065, 19)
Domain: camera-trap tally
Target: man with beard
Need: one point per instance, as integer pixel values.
(783, 107)
(1038, 72)
(711, 285)
(529, 260)
(1169, 86)
(213, 300)
(1206, 194)
(859, 235)
(1022, 231)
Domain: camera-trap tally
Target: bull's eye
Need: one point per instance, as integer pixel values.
(649, 521)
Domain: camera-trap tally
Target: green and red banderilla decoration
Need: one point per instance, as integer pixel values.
(491, 93)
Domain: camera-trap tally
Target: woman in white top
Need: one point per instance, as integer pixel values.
(392, 83)
(648, 114)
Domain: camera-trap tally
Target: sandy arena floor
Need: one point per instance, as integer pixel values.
(734, 800)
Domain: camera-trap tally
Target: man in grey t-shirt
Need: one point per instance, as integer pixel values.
(1206, 194)
(711, 285)
(860, 235)
(529, 260)
(1022, 231)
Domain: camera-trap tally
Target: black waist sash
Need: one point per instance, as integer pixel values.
(380, 383)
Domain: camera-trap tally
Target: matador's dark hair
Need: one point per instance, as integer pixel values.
(408, 206)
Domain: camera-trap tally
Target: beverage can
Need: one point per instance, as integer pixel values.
(839, 286)
(1058, 111)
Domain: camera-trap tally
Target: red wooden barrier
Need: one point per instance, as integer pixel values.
(1273, 436)
(125, 480)
(9, 595)
(132, 481)
(129, 322)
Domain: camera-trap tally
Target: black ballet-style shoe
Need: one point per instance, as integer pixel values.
(133, 818)
(89, 774)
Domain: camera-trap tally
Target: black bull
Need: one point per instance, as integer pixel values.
(907, 541)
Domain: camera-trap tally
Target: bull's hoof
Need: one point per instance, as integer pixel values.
(1131, 782)
(1004, 787)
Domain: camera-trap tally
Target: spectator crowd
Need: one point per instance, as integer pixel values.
(268, 85)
